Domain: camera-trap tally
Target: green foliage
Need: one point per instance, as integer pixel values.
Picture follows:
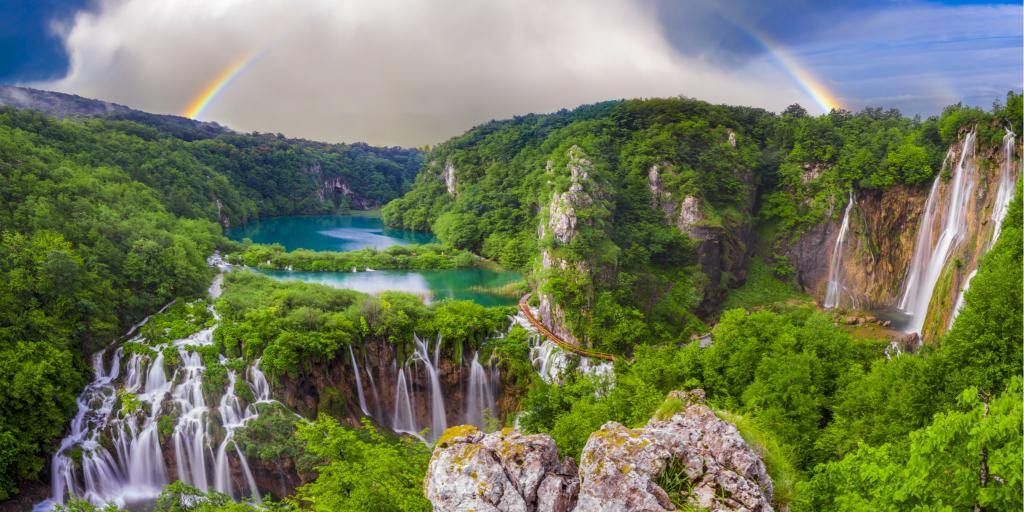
(129, 403)
(293, 326)
(364, 470)
(179, 497)
(272, 437)
(939, 467)
(762, 288)
(777, 457)
(396, 257)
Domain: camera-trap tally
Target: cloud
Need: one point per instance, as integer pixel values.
(406, 72)
(921, 58)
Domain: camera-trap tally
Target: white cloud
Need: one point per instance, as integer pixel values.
(404, 72)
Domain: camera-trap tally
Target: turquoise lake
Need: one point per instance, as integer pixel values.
(327, 233)
(349, 233)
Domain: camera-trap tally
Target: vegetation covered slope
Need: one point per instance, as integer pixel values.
(103, 221)
(635, 215)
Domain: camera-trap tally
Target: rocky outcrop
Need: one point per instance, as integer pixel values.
(500, 471)
(620, 468)
(562, 222)
(723, 246)
(448, 175)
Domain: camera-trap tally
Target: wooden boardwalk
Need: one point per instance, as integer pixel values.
(524, 306)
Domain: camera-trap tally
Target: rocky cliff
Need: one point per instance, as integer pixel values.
(885, 241)
(688, 458)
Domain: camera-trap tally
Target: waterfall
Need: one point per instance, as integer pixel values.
(404, 419)
(437, 413)
(834, 293)
(130, 471)
(931, 256)
(1004, 193)
(232, 417)
(960, 298)
(379, 413)
(479, 397)
(359, 382)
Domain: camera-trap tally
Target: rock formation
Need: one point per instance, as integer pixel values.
(619, 470)
(448, 175)
(500, 471)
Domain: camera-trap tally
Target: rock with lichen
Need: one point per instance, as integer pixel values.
(500, 471)
(700, 459)
(620, 467)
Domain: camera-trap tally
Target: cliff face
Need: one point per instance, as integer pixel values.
(882, 246)
(332, 388)
(879, 246)
(621, 469)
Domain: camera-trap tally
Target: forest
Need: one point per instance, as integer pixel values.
(103, 221)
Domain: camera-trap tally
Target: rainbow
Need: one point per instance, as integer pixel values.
(810, 84)
(214, 88)
(798, 71)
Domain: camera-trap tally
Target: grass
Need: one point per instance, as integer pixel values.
(669, 408)
(676, 484)
(514, 289)
(762, 289)
(777, 457)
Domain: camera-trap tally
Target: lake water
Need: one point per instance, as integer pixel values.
(349, 233)
(432, 285)
(327, 233)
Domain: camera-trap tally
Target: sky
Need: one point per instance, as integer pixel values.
(416, 72)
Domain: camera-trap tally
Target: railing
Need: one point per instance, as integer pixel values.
(525, 308)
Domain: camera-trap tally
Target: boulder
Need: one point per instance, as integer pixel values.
(501, 471)
(620, 466)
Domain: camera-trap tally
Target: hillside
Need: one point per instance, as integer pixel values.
(637, 218)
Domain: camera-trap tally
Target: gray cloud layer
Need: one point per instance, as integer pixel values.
(404, 72)
(415, 72)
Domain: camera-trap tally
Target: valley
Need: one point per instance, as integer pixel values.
(830, 297)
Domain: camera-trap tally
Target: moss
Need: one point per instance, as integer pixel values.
(670, 407)
(453, 432)
(129, 403)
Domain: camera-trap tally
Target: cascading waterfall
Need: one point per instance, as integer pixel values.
(359, 383)
(131, 468)
(404, 419)
(1004, 194)
(960, 298)
(439, 422)
(1007, 184)
(835, 285)
(930, 256)
(479, 397)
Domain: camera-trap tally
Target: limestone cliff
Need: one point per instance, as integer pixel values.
(620, 468)
(885, 235)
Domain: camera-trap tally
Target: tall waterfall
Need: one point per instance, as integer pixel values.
(438, 417)
(404, 420)
(479, 396)
(129, 467)
(930, 255)
(1004, 194)
(359, 382)
(835, 284)
(1007, 182)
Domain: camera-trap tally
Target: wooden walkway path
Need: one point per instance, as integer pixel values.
(524, 306)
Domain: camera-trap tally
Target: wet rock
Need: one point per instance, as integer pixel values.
(501, 471)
